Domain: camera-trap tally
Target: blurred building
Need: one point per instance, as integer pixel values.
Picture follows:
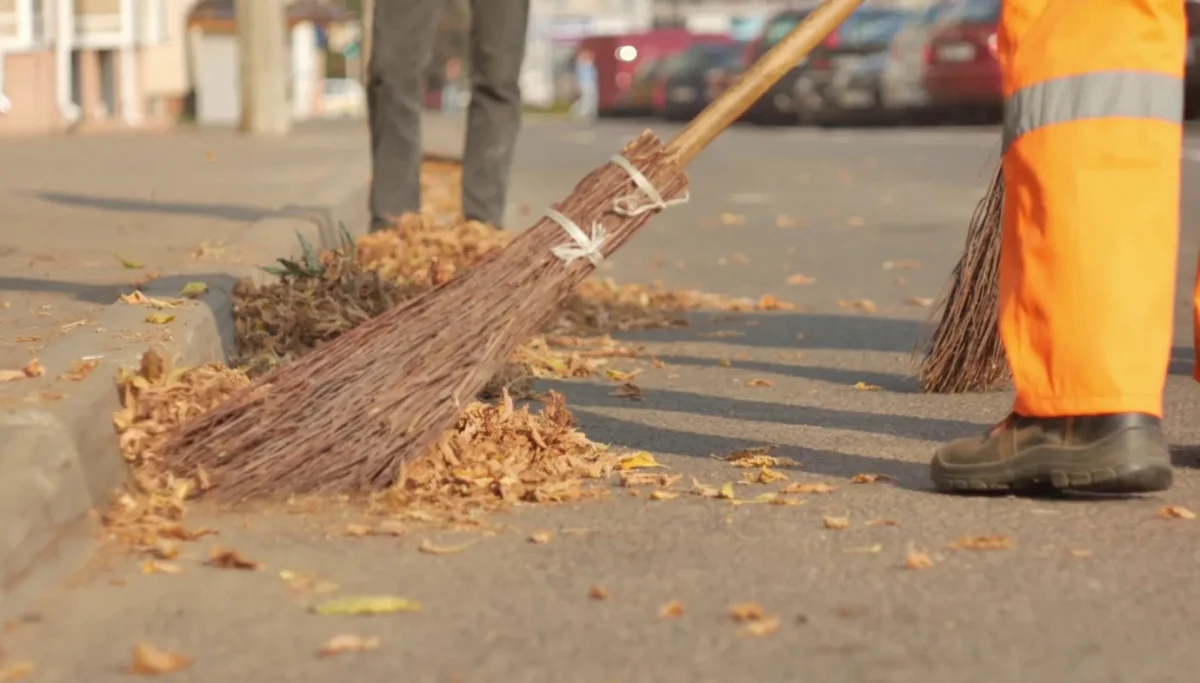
(76, 62)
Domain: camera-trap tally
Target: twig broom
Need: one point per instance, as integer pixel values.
(346, 416)
(965, 352)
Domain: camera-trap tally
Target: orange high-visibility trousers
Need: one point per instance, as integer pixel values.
(1092, 138)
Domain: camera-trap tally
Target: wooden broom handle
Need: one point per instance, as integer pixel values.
(765, 72)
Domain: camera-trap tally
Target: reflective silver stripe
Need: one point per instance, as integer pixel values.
(1101, 94)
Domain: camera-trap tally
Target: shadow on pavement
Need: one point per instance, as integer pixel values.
(95, 294)
(606, 429)
(232, 212)
(899, 384)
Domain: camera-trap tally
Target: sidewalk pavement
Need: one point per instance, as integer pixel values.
(85, 218)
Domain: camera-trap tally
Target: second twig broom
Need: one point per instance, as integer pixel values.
(346, 416)
(965, 352)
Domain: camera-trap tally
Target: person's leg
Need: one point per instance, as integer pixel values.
(401, 47)
(497, 48)
(1091, 218)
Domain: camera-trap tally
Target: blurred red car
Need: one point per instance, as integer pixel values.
(962, 72)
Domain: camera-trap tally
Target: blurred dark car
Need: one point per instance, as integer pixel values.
(775, 106)
(855, 94)
(1192, 69)
(638, 100)
(962, 72)
(902, 92)
(696, 77)
(865, 34)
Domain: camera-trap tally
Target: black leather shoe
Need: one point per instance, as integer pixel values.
(1119, 453)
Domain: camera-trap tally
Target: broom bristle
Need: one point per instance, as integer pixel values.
(965, 352)
(344, 418)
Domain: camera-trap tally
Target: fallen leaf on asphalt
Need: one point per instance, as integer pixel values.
(836, 523)
(919, 301)
(746, 611)
(883, 522)
(704, 489)
(347, 642)
(864, 305)
(638, 461)
(801, 279)
(739, 257)
(663, 495)
(597, 593)
(164, 550)
(25, 338)
(866, 549)
(863, 386)
(131, 265)
(306, 583)
(635, 478)
(1080, 553)
(993, 542)
(621, 376)
(193, 289)
(1175, 512)
(16, 672)
(156, 567)
(80, 369)
(151, 661)
(429, 548)
(33, 368)
(758, 456)
(362, 605)
(901, 265)
(357, 529)
(73, 324)
(759, 383)
(671, 610)
(725, 363)
(767, 302)
(856, 221)
(541, 537)
(51, 396)
(159, 318)
(722, 334)
(224, 558)
(809, 487)
(917, 560)
(869, 478)
(766, 475)
(629, 390)
(12, 375)
(726, 491)
(760, 628)
(732, 219)
(784, 221)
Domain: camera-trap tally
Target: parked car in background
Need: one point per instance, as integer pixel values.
(962, 74)
(902, 90)
(776, 105)
(696, 77)
(865, 33)
(639, 99)
(854, 94)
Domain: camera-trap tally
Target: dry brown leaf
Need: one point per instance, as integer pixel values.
(758, 456)
(541, 537)
(663, 495)
(901, 265)
(783, 221)
(807, 487)
(224, 558)
(629, 390)
(863, 386)
(16, 672)
(919, 301)
(801, 279)
(883, 522)
(306, 583)
(12, 375)
(33, 368)
(732, 219)
(357, 529)
(151, 661)
(917, 560)
(766, 475)
(993, 542)
(768, 302)
(1080, 552)
(869, 478)
(864, 305)
(81, 369)
(1175, 512)
(836, 523)
(671, 610)
(759, 383)
(760, 628)
(156, 567)
(597, 593)
(872, 549)
(346, 642)
(429, 548)
(746, 611)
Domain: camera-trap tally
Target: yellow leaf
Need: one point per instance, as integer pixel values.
(863, 386)
(541, 537)
(16, 672)
(156, 567)
(835, 522)
(194, 289)
(348, 643)
(726, 491)
(621, 376)
(866, 549)
(366, 605)
(149, 660)
(663, 495)
(766, 475)
(918, 560)
(760, 628)
(671, 610)
(639, 460)
(1175, 512)
(159, 318)
(869, 478)
(802, 487)
(429, 548)
(996, 542)
(801, 279)
(131, 265)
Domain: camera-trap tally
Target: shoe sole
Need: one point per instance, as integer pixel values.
(1107, 466)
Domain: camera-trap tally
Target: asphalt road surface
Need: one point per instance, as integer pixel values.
(1091, 591)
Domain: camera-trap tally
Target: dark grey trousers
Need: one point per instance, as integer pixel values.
(402, 45)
